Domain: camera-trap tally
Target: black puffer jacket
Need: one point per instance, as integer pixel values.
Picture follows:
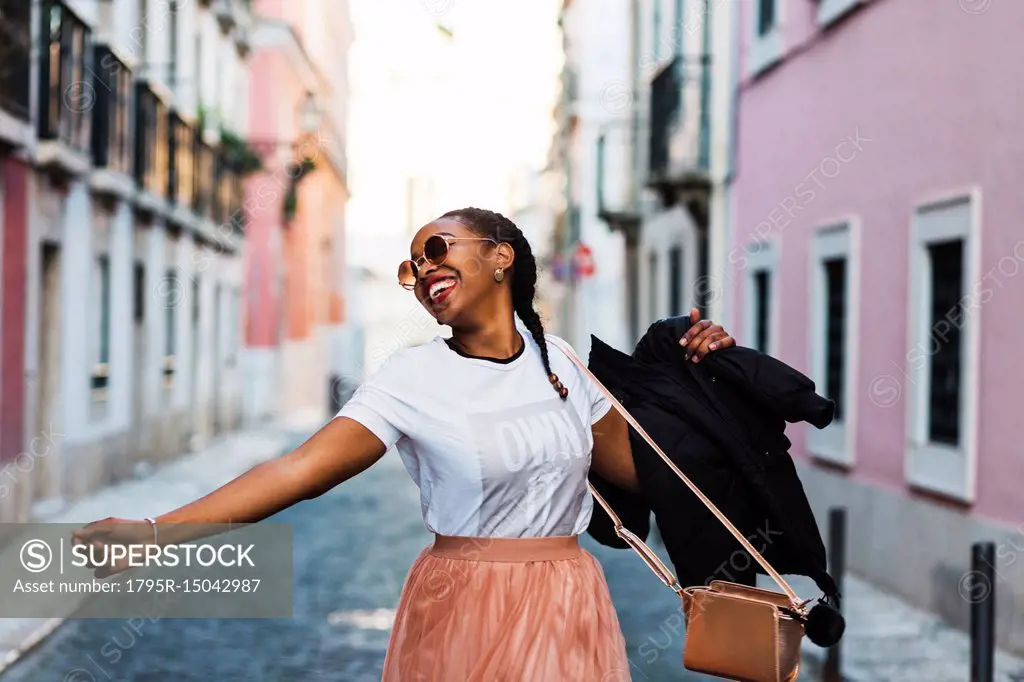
(722, 422)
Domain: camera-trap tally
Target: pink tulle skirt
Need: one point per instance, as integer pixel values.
(506, 609)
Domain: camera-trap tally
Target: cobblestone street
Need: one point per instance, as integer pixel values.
(352, 550)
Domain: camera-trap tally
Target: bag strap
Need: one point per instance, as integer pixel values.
(646, 553)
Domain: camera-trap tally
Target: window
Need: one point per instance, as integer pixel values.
(946, 260)
(101, 367)
(833, 287)
(65, 62)
(765, 37)
(762, 302)
(941, 380)
(765, 17)
(140, 293)
(835, 316)
(675, 281)
(652, 287)
(758, 268)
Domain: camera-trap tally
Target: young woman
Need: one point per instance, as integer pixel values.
(498, 429)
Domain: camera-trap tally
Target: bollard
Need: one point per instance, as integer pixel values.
(837, 567)
(983, 611)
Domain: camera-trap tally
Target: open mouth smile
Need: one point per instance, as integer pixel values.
(439, 289)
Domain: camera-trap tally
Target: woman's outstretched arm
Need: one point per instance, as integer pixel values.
(335, 453)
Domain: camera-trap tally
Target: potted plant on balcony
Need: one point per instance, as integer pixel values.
(291, 199)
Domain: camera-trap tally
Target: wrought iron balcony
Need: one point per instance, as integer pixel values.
(65, 75)
(236, 213)
(152, 153)
(225, 176)
(204, 179)
(112, 85)
(617, 181)
(678, 149)
(181, 142)
(15, 57)
(665, 91)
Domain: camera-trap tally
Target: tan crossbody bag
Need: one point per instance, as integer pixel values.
(733, 631)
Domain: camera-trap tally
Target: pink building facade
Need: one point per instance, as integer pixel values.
(295, 272)
(875, 242)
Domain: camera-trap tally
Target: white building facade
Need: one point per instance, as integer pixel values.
(132, 276)
(597, 67)
(645, 145)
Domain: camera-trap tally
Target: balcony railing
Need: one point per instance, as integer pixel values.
(678, 150)
(152, 154)
(65, 68)
(181, 152)
(112, 84)
(15, 57)
(221, 188)
(665, 90)
(228, 195)
(204, 179)
(617, 161)
(237, 202)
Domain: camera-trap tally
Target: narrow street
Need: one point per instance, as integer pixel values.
(352, 550)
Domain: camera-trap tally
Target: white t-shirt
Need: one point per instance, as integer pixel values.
(493, 448)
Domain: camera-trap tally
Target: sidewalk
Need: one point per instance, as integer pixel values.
(887, 640)
(170, 486)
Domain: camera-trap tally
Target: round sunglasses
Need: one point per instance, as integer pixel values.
(435, 252)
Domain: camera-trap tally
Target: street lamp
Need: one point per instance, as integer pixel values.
(308, 115)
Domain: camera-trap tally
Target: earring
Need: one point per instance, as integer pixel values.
(499, 274)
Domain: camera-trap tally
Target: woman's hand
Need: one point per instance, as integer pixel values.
(703, 337)
(100, 537)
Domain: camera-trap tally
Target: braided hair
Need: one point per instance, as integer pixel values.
(524, 275)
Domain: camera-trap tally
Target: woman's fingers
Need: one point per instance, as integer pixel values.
(725, 342)
(693, 332)
(716, 340)
(98, 538)
(707, 331)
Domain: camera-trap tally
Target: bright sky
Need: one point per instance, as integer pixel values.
(468, 112)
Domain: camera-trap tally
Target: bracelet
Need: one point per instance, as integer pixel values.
(152, 522)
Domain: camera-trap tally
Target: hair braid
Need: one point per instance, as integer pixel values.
(524, 275)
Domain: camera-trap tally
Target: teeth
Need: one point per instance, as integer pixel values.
(437, 287)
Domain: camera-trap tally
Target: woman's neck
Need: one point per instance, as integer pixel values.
(495, 338)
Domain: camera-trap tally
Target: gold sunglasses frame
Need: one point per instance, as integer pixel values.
(448, 239)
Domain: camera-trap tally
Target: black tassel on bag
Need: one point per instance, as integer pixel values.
(825, 624)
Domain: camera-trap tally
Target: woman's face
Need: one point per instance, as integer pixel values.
(464, 281)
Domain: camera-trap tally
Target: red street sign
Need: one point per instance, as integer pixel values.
(583, 260)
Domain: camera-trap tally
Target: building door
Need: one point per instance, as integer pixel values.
(49, 481)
